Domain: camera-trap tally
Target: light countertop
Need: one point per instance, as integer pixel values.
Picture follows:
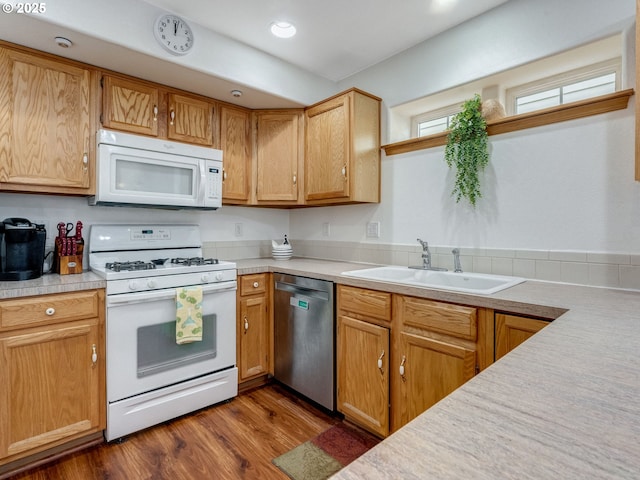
(51, 283)
(565, 404)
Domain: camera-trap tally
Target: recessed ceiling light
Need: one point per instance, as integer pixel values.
(236, 93)
(283, 29)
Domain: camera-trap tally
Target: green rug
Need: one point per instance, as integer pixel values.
(324, 455)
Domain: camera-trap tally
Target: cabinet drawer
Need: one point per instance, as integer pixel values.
(456, 320)
(253, 284)
(45, 309)
(370, 303)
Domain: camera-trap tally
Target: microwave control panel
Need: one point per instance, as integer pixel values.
(214, 180)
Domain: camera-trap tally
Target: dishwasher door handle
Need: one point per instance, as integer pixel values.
(298, 290)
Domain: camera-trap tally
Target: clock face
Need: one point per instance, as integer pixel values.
(174, 34)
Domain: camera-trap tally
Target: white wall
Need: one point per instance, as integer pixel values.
(216, 226)
(567, 186)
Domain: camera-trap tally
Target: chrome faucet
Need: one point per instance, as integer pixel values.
(457, 267)
(426, 255)
(426, 259)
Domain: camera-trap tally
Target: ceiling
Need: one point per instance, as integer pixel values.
(336, 38)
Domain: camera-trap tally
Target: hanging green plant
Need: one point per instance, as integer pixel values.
(467, 149)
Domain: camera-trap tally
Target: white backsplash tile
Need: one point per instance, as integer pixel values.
(617, 270)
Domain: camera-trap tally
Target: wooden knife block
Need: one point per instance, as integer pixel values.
(67, 264)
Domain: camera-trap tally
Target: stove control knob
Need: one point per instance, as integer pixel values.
(205, 278)
(133, 285)
(152, 284)
(219, 276)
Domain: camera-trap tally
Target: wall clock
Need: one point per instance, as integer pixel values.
(174, 34)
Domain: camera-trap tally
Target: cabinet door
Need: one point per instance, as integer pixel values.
(426, 371)
(235, 142)
(50, 387)
(253, 337)
(512, 330)
(363, 373)
(327, 149)
(190, 120)
(44, 123)
(277, 156)
(130, 106)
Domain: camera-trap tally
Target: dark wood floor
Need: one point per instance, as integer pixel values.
(234, 440)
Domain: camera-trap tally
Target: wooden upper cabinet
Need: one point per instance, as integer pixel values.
(512, 330)
(235, 142)
(342, 155)
(190, 120)
(145, 108)
(130, 105)
(45, 124)
(279, 152)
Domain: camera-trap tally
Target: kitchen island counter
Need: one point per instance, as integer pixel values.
(565, 404)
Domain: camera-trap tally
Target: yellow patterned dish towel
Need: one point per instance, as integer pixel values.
(188, 314)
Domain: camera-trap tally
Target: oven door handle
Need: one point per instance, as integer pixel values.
(166, 293)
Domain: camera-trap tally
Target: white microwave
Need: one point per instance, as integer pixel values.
(132, 170)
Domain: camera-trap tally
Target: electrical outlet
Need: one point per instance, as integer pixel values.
(373, 229)
(239, 229)
(326, 229)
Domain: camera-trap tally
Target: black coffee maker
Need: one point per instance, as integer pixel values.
(21, 249)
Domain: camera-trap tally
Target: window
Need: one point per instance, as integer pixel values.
(572, 86)
(435, 121)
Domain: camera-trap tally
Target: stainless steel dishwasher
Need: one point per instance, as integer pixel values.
(304, 337)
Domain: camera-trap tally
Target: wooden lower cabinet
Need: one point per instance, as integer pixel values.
(363, 373)
(363, 357)
(399, 355)
(512, 330)
(51, 372)
(254, 327)
(428, 371)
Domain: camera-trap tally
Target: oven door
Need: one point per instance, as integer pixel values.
(142, 354)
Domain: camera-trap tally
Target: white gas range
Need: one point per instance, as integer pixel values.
(150, 377)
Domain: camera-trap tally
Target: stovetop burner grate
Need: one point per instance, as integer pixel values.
(194, 261)
(129, 266)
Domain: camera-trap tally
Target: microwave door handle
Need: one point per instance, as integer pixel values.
(203, 182)
(164, 294)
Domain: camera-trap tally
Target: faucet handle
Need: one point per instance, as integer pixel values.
(425, 245)
(457, 267)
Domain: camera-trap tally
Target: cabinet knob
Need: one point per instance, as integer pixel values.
(404, 359)
(94, 354)
(295, 179)
(172, 117)
(85, 159)
(344, 171)
(380, 361)
(224, 175)
(256, 284)
(50, 311)
(155, 113)
(246, 324)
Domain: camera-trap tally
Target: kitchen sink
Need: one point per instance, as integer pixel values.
(479, 283)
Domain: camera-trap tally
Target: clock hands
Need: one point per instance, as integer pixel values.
(175, 28)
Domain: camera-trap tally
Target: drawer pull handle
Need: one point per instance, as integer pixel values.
(246, 324)
(404, 359)
(256, 284)
(380, 361)
(94, 355)
(50, 311)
